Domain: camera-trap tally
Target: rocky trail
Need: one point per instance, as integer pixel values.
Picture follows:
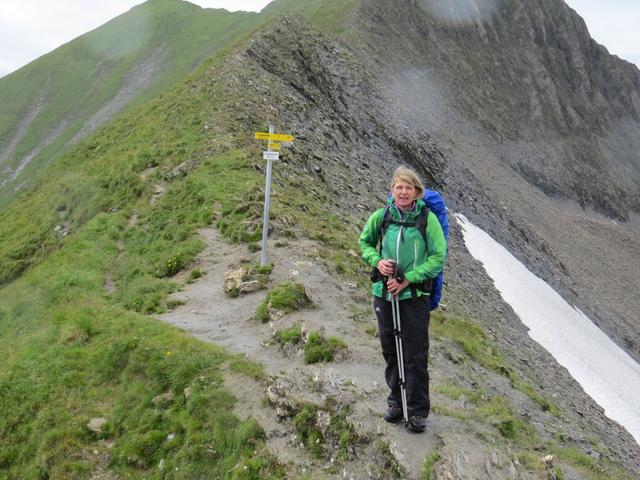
(354, 382)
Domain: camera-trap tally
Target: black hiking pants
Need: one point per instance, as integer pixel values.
(414, 322)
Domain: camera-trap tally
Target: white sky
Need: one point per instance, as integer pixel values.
(606, 372)
(31, 28)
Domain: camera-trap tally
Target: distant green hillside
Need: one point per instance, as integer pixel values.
(72, 75)
(328, 15)
(64, 95)
(58, 99)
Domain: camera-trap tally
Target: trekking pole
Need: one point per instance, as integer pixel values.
(397, 331)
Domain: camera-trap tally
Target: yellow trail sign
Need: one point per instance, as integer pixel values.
(274, 137)
(274, 146)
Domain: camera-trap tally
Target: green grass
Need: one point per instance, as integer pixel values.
(328, 15)
(428, 464)
(194, 275)
(291, 335)
(317, 348)
(592, 468)
(479, 347)
(74, 81)
(70, 355)
(107, 178)
(287, 297)
(485, 408)
(320, 349)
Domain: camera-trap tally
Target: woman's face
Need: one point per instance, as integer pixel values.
(404, 194)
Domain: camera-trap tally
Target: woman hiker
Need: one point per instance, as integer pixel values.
(405, 265)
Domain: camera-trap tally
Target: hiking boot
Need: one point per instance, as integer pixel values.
(393, 414)
(417, 423)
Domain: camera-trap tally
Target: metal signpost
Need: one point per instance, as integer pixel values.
(272, 153)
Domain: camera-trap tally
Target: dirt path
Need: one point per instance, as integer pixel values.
(356, 380)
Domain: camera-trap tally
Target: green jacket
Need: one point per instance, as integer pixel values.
(418, 261)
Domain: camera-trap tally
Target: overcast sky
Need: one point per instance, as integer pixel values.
(31, 28)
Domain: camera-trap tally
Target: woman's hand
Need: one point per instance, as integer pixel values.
(386, 267)
(394, 287)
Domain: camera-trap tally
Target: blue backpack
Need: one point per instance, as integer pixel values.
(435, 203)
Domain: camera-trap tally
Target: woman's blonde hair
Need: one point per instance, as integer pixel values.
(407, 175)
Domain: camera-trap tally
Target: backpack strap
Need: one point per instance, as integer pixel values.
(384, 225)
(422, 222)
(375, 275)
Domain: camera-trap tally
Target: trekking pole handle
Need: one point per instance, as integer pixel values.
(388, 265)
(398, 274)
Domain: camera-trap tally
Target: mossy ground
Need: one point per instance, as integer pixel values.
(325, 430)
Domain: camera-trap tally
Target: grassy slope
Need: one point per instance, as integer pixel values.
(76, 80)
(74, 352)
(328, 15)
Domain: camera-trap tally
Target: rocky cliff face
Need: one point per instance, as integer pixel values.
(539, 126)
(405, 87)
(527, 74)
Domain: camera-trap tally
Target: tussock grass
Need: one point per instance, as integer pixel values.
(428, 464)
(317, 348)
(286, 297)
(291, 335)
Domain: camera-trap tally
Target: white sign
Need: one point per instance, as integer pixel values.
(271, 155)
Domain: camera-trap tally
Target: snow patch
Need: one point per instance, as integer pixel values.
(605, 371)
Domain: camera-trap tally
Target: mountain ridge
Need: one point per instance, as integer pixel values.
(130, 198)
